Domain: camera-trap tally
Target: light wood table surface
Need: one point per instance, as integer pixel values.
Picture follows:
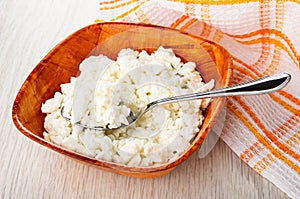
(28, 30)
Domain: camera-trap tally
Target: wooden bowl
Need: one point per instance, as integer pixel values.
(213, 62)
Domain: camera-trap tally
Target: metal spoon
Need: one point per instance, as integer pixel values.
(260, 86)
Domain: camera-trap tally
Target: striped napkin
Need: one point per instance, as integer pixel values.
(263, 38)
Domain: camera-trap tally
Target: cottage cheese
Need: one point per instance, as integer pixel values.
(105, 92)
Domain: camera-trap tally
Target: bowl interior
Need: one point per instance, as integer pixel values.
(213, 62)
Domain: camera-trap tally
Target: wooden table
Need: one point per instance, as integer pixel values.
(28, 30)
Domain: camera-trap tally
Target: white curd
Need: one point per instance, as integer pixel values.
(105, 92)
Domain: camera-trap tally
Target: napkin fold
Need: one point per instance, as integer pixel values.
(263, 39)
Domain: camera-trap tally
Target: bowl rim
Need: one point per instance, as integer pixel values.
(102, 163)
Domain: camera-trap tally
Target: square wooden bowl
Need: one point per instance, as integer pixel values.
(62, 62)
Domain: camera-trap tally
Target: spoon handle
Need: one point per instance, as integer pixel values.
(259, 86)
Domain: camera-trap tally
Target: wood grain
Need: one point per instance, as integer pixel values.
(28, 30)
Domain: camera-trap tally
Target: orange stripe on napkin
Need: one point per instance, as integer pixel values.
(214, 2)
(264, 11)
(253, 150)
(249, 153)
(205, 10)
(286, 105)
(277, 33)
(291, 98)
(190, 9)
(179, 21)
(282, 130)
(278, 26)
(280, 6)
(142, 17)
(225, 2)
(279, 38)
(276, 43)
(294, 139)
(244, 70)
(108, 2)
(287, 126)
(188, 24)
(114, 6)
(267, 133)
(264, 163)
(127, 12)
(294, 1)
(261, 138)
(274, 63)
(264, 19)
